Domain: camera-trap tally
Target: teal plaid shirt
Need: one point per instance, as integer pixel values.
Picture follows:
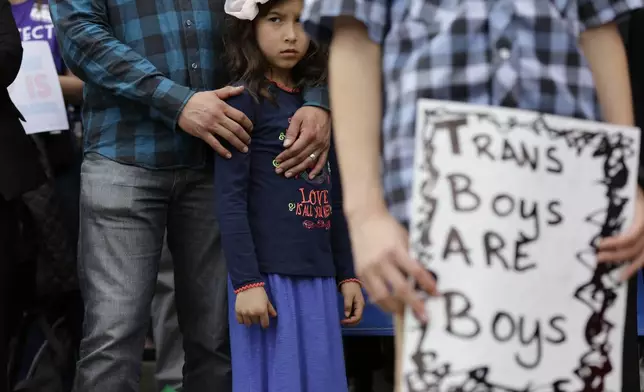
(142, 60)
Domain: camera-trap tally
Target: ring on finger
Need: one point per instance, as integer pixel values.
(313, 156)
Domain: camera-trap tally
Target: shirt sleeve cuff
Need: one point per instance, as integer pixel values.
(319, 17)
(171, 99)
(345, 273)
(595, 13)
(356, 280)
(317, 97)
(248, 286)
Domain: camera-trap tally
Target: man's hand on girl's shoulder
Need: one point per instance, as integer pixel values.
(207, 117)
(307, 142)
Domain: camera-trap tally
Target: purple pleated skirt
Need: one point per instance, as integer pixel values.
(301, 351)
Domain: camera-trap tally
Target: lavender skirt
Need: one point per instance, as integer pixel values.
(301, 351)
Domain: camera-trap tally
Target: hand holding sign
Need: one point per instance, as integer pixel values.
(628, 246)
(381, 251)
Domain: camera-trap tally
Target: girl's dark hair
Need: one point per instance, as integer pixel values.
(246, 62)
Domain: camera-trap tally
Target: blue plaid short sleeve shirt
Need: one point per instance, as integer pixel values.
(513, 53)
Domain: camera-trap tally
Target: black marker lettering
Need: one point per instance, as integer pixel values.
(532, 161)
(454, 244)
(558, 329)
(502, 205)
(531, 212)
(482, 143)
(556, 217)
(508, 153)
(526, 340)
(502, 318)
(493, 244)
(460, 186)
(452, 300)
(452, 126)
(519, 254)
(557, 166)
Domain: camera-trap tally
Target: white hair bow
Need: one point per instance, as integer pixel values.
(243, 9)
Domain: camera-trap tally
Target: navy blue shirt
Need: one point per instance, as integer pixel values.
(271, 224)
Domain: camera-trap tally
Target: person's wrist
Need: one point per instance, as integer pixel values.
(349, 280)
(249, 286)
(179, 117)
(363, 208)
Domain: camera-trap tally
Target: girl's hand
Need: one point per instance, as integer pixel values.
(353, 303)
(382, 260)
(628, 246)
(253, 307)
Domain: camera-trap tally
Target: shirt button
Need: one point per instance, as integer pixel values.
(194, 66)
(188, 23)
(504, 53)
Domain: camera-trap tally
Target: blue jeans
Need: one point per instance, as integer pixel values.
(124, 213)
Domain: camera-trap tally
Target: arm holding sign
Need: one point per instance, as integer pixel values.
(380, 243)
(606, 56)
(92, 52)
(10, 46)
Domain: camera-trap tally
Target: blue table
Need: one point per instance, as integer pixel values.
(375, 322)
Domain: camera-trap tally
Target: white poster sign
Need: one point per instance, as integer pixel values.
(507, 207)
(36, 91)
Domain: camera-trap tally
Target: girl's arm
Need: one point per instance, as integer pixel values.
(232, 177)
(606, 56)
(72, 88)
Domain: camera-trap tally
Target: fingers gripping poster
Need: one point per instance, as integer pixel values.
(507, 208)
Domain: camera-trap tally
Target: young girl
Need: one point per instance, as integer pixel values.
(285, 240)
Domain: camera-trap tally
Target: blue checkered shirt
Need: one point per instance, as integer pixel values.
(141, 61)
(513, 53)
